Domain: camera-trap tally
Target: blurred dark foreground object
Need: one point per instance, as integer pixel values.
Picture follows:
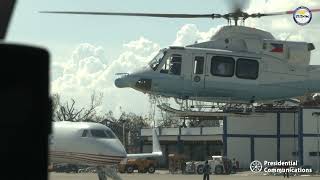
(25, 113)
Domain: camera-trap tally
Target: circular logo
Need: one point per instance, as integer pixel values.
(196, 78)
(256, 166)
(302, 15)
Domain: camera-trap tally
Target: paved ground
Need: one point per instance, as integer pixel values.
(166, 176)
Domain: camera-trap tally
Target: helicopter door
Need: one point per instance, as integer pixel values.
(198, 67)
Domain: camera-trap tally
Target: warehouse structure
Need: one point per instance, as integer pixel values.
(285, 134)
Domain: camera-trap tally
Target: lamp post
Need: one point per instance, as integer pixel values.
(317, 114)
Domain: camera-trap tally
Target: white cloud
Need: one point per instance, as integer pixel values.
(189, 34)
(89, 70)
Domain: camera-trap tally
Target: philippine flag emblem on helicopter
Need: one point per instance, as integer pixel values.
(276, 47)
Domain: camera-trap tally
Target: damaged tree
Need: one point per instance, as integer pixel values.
(68, 112)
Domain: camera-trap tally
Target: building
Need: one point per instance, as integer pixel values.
(283, 134)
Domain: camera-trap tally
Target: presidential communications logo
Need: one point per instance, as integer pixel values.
(255, 166)
(302, 15)
(278, 167)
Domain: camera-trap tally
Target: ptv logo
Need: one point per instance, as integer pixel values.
(302, 15)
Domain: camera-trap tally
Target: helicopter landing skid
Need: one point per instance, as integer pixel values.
(191, 113)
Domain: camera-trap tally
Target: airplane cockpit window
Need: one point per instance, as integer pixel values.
(222, 66)
(84, 133)
(247, 68)
(156, 61)
(102, 133)
(198, 65)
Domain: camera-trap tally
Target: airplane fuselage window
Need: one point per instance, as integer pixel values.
(198, 65)
(222, 66)
(247, 68)
(175, 64)
(102, 133)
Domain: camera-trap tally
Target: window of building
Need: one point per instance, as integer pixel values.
(247, 68)
(222, 66)
(314, 154)
(102, 133)
(198, 65)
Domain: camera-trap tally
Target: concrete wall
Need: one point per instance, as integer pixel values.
(310, 138)
(239, 148)
(265, 149)
(287, 147)
(263, 136)
(310, 145)
(262, 124)
(309, 121)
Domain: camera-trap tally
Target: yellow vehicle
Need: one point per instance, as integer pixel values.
(142, 165)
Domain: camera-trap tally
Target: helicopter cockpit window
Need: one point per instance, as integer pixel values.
(222, 66)
(166, 66)
(198, 65)
(172, 65)
(102, 133)
(175, 64)
(247, 68)
(155, 62)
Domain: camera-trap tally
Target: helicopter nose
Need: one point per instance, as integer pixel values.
(124, 81)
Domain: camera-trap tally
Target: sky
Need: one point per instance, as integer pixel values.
(87, 51)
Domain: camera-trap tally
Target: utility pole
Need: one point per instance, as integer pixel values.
(317, 114)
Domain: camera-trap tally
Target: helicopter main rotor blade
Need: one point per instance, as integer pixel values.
(136, 14)
(277, 13)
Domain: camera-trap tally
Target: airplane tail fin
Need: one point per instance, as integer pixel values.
(156, 148)
(156, 143)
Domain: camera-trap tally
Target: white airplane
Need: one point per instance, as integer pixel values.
(88, 143)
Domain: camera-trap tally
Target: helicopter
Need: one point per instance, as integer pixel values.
(238, 64)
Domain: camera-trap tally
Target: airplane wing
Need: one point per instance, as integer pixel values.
(156, 149)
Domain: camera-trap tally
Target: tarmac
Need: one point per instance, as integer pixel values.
(163, 175)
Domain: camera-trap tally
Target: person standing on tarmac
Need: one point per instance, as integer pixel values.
(206, 171)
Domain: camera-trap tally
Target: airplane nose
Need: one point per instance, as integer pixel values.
(118, 149)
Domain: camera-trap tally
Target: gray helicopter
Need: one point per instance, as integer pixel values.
(238, 64)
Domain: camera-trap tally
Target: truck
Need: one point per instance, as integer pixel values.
(218, 165)
(142, 165)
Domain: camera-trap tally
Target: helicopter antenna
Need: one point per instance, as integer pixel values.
(288, 36)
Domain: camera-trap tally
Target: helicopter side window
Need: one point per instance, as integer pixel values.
(175, 64)
(198, 65)
(247, 69)
(222, 66)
